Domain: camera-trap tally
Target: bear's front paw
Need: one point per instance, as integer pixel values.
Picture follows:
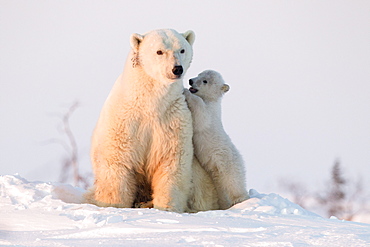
(188, 95)
(186, 92)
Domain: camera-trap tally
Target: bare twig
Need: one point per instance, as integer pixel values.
(70, 162)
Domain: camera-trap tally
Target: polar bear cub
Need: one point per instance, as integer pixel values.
(212, 146)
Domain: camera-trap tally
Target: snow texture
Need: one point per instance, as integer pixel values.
(50, 214)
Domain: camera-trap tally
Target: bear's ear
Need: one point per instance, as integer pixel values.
(135, 40)
(189, 36)
(225, 88)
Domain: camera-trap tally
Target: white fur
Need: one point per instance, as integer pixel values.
(212, 146)
(142, 144)
(203, 194)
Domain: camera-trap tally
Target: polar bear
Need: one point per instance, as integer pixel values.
(142, 145)
(212, 146)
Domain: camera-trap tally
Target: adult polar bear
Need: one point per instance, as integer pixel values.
(142, 145)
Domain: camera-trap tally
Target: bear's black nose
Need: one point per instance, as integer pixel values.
(191, 82)
(177, 70)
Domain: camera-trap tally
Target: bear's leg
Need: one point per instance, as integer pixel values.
(115, 187)
(229, 183)
(238, 194)
(222, 191)
(170, 161)
(203, 195)
(233, 183)
(238, 191)
(171, 186)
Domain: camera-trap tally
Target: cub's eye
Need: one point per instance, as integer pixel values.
(159, 52)
(182, 51)
(205, 82)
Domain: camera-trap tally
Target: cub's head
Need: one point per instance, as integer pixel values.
(208, 85)
(163, 54)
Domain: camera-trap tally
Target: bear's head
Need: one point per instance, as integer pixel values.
(209, 85)
(164, 54)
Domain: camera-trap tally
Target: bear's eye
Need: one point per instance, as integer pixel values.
(205, 82)
(182, 51)
(159, 52)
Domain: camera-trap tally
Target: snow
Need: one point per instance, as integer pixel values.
(50, 214)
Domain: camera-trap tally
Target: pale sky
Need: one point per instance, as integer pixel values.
(299, 73)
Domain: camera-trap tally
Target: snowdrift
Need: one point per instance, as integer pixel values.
(50, 214)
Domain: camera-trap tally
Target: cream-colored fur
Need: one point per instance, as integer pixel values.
(212, 146)
(203, 195)
(142, 144)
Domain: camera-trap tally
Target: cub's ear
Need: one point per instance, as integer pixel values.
(225, 88)
(189, 36)
(135, 40)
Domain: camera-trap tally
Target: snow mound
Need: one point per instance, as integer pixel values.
(51, 214)
(271, 204)
(17, 191)
(24, 194)
(21, 193)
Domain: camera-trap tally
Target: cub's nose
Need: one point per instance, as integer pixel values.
(191, 82)
(177, 70)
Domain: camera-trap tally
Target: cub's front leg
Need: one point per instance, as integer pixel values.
(200, 115)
